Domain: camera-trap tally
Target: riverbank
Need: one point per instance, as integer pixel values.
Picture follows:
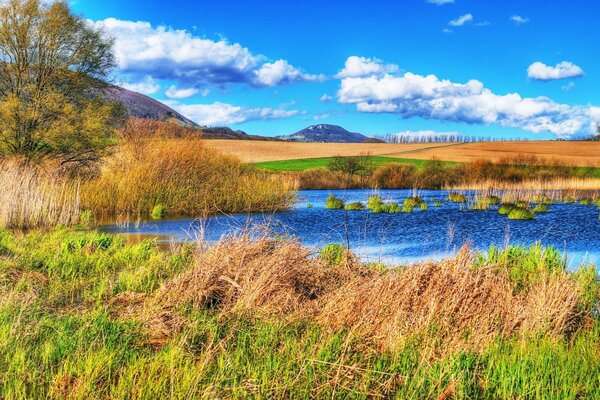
(84, 314)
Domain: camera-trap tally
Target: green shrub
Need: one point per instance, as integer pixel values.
(585, 202)
(374, 202)
(505, 208)
(519, 213)
(457, 197)
(334, 203)
(333, 254)
(158, 212)
(541, 208)
(356, 206)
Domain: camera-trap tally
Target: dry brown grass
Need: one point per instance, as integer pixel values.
(183, 176)
(450, 304)
(564, 184)
(569, 153)
(36, 196)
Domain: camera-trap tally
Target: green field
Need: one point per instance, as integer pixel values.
(322, 163)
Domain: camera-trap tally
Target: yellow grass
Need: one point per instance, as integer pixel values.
(35, 197)
(570, 153)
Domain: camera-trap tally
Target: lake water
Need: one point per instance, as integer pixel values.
(573, 229)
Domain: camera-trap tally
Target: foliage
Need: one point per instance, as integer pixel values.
(355, 206)
(334, 203)
(521, 213)
(333, 254)
(52, 95)
(457, 197)
(158, 212)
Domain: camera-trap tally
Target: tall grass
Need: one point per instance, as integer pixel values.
(83, 315)
(36, 196)
(185, 178)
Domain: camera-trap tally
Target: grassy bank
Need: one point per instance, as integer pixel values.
(84, 315)
(323, 163)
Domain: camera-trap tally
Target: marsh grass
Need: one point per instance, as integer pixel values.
(355, 206)
(521, 213)
(334, 203)
(84, 315)
(36, 196)
(185, 178)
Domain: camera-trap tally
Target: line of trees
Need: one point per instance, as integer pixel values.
(445, 138)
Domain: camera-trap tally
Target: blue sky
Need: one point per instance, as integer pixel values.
(490, 68)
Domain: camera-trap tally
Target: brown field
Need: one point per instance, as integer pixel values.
(571, 153)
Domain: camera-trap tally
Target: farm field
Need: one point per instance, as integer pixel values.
(571, 153)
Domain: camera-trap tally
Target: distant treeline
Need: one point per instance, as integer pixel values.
(445, 138)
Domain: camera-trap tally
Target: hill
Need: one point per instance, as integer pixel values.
(325, 133)
(144, 107)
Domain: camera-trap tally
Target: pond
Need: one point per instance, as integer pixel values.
(396, 239)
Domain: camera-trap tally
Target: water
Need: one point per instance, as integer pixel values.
(398, 238)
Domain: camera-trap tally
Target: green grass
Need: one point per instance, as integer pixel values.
(322, 163)
(58, 338)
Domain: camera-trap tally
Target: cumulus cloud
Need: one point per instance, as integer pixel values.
(217, 114)
(175, 93)
(563, 70)
(517, 19)
(460, 21)
(175, 54)
(281, 72)
(412, 95)
(440, 2)
(146, 86)
(361, 66)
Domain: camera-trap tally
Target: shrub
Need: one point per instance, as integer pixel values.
(457, 197)
(374, 202)
(585, 202)
(356, 206)
(333, 254)
(334, 203)
(505, 208)
(519, 213)
(394, 176)
(158, 212)
(541, 208)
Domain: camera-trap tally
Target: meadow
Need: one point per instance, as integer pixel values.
(84, 315)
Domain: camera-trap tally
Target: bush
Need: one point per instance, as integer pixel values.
(158, 212)
(374, 202)
(519, 213)
(334, 203)
(357, 206)
(333, 254)
(457, 197)
(505, 208)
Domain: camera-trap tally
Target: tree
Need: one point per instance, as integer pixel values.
(53, 68)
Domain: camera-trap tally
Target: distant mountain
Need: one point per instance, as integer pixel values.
(228, 133)
(324, 133)
(143, 107)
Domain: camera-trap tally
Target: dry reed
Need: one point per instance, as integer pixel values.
(35, 196)
(450, 304)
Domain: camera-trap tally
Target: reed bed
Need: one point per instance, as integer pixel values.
(183, 177)
(36, 196)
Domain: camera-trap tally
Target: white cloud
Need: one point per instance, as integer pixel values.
(326, 98)
(517, 19)
(446, 30)
(175, 54)
(281, 72)
(568, 86)
(460, 21)
(563, 70)
(146, 86)
(440, 2)
(174, 93)
(361, 66)
(411, 95)
(218, 114)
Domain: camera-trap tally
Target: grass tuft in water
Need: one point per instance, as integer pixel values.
(456, 197)
(519, 213)
(356, 206)
(158, 212)
(334, 203)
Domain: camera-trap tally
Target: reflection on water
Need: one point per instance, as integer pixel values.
(397, 238)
